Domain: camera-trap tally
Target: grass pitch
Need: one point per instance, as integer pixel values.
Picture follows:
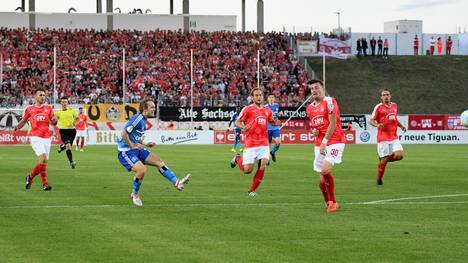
(420, 214)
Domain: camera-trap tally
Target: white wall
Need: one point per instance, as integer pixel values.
(14, 20)
(71, 21)
(142, 22)
(213, 23)
(146, 22)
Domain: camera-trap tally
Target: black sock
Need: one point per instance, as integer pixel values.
(69, 155)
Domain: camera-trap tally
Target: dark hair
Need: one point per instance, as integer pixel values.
(64, 98)
(40, 89)
(271, 94)
(382, 90)
(80, 108)
(144, 104)
(313, 81)
(255, 89)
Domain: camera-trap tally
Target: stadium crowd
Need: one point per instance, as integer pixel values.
(89, 66)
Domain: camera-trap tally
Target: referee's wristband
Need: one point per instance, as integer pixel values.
(324, 140)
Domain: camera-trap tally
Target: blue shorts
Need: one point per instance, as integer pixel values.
(273, 134)
(237, 131)
(129, 158)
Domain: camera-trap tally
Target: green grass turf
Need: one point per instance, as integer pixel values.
(88, 216)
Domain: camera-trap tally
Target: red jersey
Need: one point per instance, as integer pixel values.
(387, 116)
(39, 118)
(258, 118)
(318, 116)
(82, 122)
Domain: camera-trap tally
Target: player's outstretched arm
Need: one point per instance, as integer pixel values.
(402, 127)
(21, 124)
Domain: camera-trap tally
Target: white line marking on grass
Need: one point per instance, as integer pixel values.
(413, 198)
(377, 202)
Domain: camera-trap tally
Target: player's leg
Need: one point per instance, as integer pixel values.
(41, 147)
(70, 137)
(276, 138)
(318, 160)
(262, 154)
(153, 160)
(77, 142)
(383, 150)
(62, 138)
(82, 143)
(333, 155)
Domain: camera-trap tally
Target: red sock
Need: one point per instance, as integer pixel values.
(35, 171)
(324, 190)
(44, 173)
(82, 143)
(381, 170)
(239, 163)
(330, 186)
(257, 180)
(391, 158)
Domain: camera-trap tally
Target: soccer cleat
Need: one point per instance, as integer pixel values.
(233, 162)
(379, 181)
(46, 187)
(28, 182)
(273, 157)
(73, 165)
(76, 149)
(234, 150)
(136, 199)
(180, 184)
(81, 150)
(251, 194)
(332, 207)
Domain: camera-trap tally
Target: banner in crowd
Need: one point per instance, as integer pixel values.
(426, 122)
(19, 137)
(335, 47)
(287, 137)
(111, 112)
(307, 47)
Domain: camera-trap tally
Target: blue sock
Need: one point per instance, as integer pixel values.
(275, 148)
(166, 172)
(136, 185)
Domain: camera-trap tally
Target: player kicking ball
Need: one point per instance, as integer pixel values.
(384, 117)
(134, 157)
(253, 120)
(324, 115)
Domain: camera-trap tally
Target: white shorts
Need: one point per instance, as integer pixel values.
(255, 153)
(40, 145)
(386, 148)
(81, 133)
(332, 155)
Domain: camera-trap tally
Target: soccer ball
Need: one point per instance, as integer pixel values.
(464, 118)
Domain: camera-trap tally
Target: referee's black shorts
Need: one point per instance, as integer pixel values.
(67, 135)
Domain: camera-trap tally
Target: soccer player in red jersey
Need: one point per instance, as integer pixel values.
(253, 121)
(384, 117)
(40, 116)
(324, 115)
(81, 126)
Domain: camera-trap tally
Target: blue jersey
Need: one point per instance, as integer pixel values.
(234, 118)
(275, 109)
(135, 128)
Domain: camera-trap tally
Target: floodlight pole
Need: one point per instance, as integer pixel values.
(55, 76)
(123, 77)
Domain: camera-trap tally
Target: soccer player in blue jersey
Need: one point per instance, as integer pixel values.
(237, 144)
(134, 157)
(273, 131)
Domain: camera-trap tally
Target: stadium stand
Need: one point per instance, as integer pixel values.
(89, 66)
